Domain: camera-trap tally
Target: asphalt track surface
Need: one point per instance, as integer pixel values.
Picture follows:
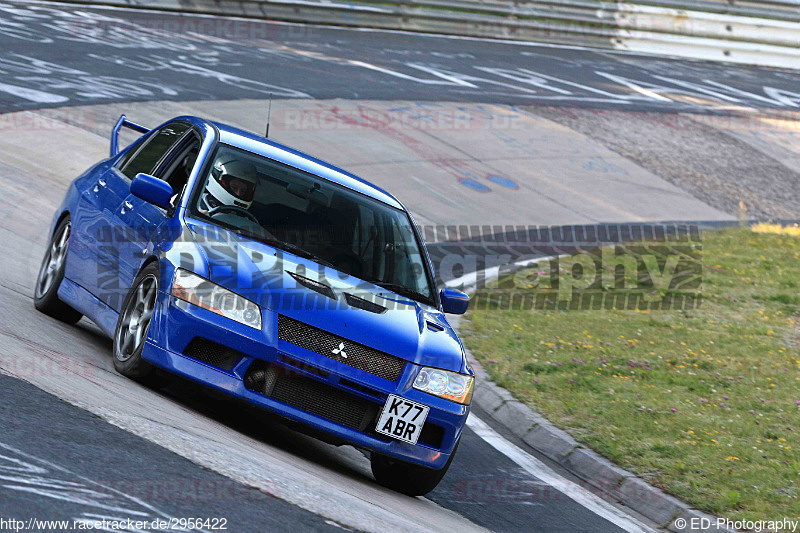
(84, 468)
(55, 55)
(58, 461)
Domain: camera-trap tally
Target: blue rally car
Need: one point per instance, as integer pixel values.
(272, 276)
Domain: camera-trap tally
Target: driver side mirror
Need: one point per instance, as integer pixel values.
(152, 190)
(453, 301)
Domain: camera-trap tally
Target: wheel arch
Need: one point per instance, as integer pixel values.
(63, 216)
(149, 260)
(152, 258)
(146, 262)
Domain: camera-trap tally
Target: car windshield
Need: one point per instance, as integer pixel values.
(312, 217)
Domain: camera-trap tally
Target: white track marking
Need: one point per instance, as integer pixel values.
(544, 473)
(59, 468)
(530, 44)
(640, 91)
(33, 95)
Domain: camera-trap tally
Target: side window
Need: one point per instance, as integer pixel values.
(149, 155)
(133, 149)
(179, 164)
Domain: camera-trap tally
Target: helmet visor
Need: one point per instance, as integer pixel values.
(238, 187)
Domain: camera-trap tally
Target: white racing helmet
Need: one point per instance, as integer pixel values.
(232, 182)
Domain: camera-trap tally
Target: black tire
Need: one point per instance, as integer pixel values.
(133, 323)
(407, 478)
(51, 274)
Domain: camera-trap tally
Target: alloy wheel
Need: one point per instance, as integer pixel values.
(53, 261)
(136, 318)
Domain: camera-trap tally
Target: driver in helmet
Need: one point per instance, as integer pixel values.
(232, 183)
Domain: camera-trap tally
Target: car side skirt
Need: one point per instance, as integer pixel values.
(87, 304)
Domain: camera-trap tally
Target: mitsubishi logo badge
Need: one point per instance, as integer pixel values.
(340, 350)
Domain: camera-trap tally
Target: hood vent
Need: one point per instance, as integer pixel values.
(315, 286)
(434, 326)
(361, 303)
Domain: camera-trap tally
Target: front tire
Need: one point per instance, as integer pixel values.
(407, 478)
(134, 322)
(51, 274)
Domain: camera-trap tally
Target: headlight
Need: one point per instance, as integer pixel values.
(203, 293)
(445, 384)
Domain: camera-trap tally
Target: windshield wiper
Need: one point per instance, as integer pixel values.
(283, 245)
(403, 291)
(302, 252)
(293, 248)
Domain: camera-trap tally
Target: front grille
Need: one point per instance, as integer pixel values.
(324, 343)
(212, 353)
(326, 401)
(311, 396)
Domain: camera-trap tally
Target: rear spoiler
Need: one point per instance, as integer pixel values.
(123, 123)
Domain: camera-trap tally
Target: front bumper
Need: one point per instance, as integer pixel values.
(318, 389)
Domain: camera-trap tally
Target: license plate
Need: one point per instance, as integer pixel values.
(402, 419)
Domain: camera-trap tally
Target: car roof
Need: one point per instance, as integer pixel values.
(262, 146)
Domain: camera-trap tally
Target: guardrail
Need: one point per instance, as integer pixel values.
(759, 32)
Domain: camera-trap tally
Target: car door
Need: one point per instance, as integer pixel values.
(92, 262)
(116, 256)
(140, 218)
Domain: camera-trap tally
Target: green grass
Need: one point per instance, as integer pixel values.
(702, 403)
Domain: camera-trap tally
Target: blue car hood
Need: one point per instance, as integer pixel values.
(407, 329)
